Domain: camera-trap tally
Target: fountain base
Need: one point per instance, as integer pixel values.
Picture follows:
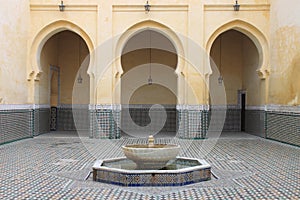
(178, 172)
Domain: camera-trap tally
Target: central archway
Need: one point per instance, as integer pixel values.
(148, 59)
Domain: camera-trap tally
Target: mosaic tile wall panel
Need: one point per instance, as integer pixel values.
(154, 179)
(104, 123)
(182, 120)
(15, 125)
(93, 123)
(193, 123)
(53, 118)
(232, 121)
(41, 121)
(284, 127)
(67, 117)
(254, 124)
(141, 117)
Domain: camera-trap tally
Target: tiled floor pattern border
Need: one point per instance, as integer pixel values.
(55, 168)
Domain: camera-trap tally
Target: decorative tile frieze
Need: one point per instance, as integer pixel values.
(283, 108)
(262, 108)
(199, 107)
(4, 107)
(222, 107)
(73, 106)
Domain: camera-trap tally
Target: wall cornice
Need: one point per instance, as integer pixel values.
(154, 8)
(243, 7)
(72, 7)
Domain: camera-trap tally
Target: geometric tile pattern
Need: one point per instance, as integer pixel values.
(47, 167)
(140, 115)
(70, 119)
(15, 125)
(192, 123)
(104, 123)
(41, 121)
(151, 180)
(284, 127)
(255, 120)
(53, 119)
(155, 178)
(232, 120)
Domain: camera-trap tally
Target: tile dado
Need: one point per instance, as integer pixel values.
(16, 124)
(23, 121)
(283, 127)
(277, 122)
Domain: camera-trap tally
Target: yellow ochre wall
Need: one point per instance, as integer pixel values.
(67, 51)
(14, 32)
(285, 53)
(273, 26)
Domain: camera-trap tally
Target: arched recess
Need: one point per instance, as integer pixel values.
(34, 66)
(134, 52)
(165, 31)
(255, 35)
(241, 53)
(142, 26)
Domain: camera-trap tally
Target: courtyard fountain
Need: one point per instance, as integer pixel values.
(151, 165)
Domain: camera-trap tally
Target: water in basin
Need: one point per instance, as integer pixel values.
(127, 164)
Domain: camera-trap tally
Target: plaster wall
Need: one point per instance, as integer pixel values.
(140, 51)
(72, 51)
(285, 53)
(14, 23)
(54, 90)
(153, 94)
(230, 66)
(49, 57)
(193, 19)
(252, 84)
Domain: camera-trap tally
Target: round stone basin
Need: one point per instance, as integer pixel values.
(155, 156)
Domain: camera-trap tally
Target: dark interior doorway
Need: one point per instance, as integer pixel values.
(243, 110)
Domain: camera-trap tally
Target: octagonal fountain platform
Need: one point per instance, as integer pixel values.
(151, 165)
(123, 172)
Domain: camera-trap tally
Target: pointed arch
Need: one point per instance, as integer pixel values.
(254, 34)
(34, 67)
(155, 26)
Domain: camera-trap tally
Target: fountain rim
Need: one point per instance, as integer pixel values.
(202, 165)
(154, 146)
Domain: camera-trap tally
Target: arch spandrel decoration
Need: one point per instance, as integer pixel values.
(155, 26)
(34, 67)
(255, 35)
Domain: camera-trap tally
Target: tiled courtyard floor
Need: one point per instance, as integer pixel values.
(54, 166)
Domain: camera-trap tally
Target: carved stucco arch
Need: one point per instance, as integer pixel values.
(154, 26)
(254, 34)
(34, 66)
